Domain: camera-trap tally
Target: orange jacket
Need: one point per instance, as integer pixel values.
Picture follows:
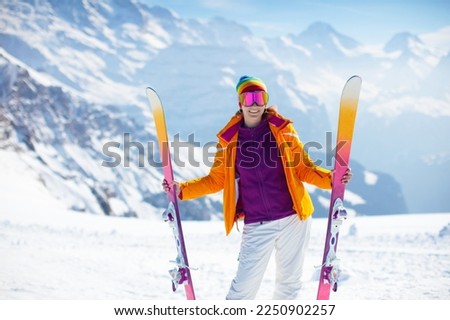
(298, 168)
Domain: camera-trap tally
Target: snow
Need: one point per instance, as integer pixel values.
(370, 178)
(287, 41)
(52, 253)
(435, 108)
(64, 255)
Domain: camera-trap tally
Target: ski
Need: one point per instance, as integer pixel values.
(181, 274)
(329, 273)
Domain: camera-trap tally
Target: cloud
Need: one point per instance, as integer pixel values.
(440, 40)
(219, 4)
(395, 107)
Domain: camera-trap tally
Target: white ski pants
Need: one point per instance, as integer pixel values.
(289, 237)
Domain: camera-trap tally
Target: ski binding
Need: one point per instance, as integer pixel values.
(332, 271)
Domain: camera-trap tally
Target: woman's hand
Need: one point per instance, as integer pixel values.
(347, 176)
(168, 187)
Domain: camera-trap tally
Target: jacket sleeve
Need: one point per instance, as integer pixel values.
(305, 168)
(211, 183)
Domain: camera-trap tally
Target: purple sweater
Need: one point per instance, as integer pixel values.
(263, 190)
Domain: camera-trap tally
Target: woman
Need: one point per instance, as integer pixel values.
(261, 166)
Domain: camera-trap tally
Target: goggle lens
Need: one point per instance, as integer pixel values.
(247, 99)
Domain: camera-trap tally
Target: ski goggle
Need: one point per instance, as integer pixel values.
(248, 99)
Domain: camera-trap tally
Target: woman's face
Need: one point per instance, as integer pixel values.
(253, 105)
(252, 115)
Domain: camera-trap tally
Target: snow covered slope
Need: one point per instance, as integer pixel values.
(50, 253)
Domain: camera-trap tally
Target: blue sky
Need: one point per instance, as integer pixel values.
(370, 22)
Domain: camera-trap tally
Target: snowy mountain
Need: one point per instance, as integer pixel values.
(321, 38)
(62, 139)
(72, 145)
(74, 75)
